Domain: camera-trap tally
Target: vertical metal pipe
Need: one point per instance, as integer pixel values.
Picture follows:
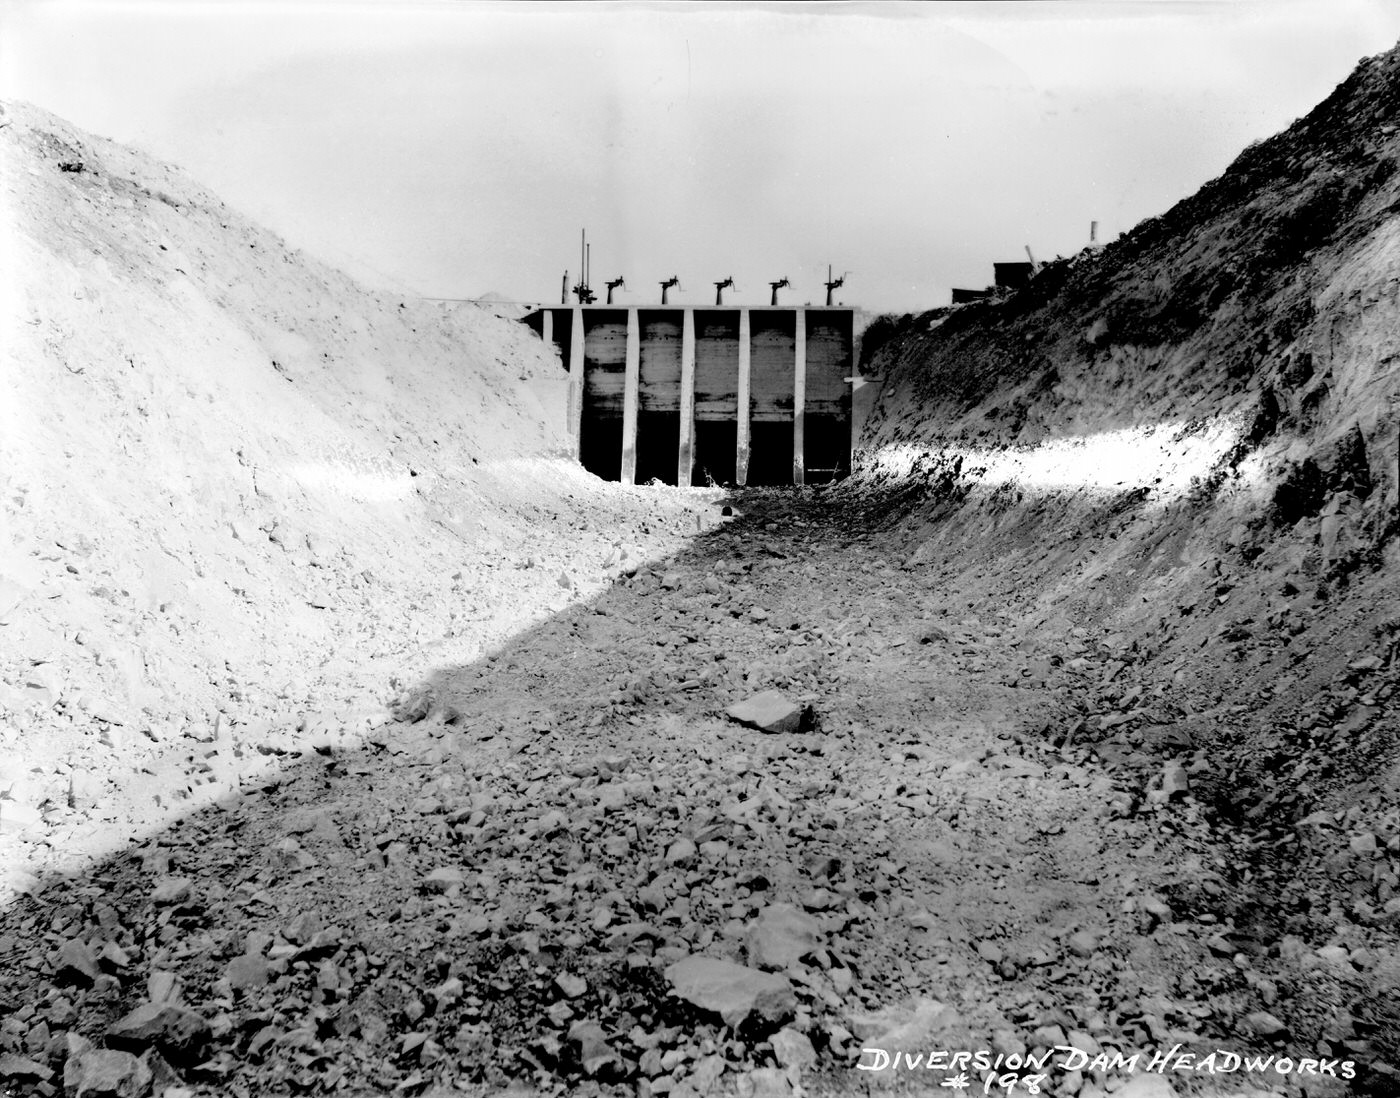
(799, 395)
(686, 456)
(630, 394)
(741, 453)
(547, 328)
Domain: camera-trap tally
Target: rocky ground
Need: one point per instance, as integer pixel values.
(566, 866)
(1177, 458)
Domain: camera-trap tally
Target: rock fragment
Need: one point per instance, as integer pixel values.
(734, 992)
(248, 971)
(75, 964)
(792, 1048)
(1175, 782)
(175, 1030)
(781, 936)
(681, 852)
(163, 987)
(595, 1053)
(1263, 1024)
(772, 711)
(16, 817)
(105, 1073)
(172, 890)
(1082, 943)
(443, 879)
(765, 1083)
(23, 1069)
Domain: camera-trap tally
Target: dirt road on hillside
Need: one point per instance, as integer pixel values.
(509, 887)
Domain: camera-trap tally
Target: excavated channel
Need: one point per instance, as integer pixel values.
(497, 891)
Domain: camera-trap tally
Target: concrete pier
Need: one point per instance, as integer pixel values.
(631, 382)
(575, 366)
(685, 465)
(799, 398)
(741, 448)
(756, 395)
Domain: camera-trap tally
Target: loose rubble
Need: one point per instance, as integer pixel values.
(578, 870)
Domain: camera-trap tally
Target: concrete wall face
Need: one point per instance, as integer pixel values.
(729, 395)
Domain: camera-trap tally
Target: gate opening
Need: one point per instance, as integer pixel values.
(659, 394)
(604, 380)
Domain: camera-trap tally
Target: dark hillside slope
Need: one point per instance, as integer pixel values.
(1174, 462)
(1200, 310)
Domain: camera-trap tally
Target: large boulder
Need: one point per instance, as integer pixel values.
(734, 992)
(772, 711)
(177, 1031)
(105, 1073)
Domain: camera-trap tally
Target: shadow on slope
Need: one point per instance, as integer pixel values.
(407, 911)
(490, 891)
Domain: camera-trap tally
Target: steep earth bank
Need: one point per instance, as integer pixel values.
(245, 500)
(1174, 461)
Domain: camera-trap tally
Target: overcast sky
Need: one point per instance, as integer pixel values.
(451, 149)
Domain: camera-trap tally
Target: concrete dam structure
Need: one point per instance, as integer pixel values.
(693, 395)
